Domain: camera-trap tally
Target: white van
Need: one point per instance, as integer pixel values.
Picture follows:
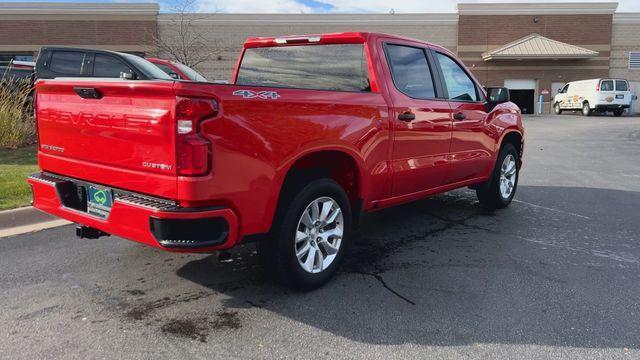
(601, 95)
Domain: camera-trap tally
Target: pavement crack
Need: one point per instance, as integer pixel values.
(462, 222)
(391, 290)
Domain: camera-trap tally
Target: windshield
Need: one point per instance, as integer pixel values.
(191, 74)
(149, 69)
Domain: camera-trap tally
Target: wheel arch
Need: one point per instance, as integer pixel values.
(515, 138)
(339, 163)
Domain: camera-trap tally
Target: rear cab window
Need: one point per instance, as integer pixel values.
(334, 67)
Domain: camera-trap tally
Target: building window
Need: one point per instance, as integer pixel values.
(634, 60)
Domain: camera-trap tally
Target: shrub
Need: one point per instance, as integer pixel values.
(17, 125)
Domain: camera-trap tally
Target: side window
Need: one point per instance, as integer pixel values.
(109, 67)
(410, 70)
(606, 85)
(622, 85)
(459, 84)
(564, 89)
(67, 62)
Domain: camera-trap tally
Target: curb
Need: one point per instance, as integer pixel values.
(25, 220)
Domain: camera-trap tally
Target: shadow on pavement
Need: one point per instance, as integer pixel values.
(559, 268)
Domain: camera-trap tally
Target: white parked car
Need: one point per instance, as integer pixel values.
(601, 95)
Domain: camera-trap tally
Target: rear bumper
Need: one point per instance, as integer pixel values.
(612, 107)
(154, 222)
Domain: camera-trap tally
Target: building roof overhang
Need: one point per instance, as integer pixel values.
(536, 46)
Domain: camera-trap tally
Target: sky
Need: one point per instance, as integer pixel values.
(340, 6)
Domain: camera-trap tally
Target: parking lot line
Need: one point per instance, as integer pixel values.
(551, 209)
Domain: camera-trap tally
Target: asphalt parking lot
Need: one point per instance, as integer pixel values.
(556, 275)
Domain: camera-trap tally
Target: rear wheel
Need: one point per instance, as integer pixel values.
(557, 109)
(618, 112)
(498, 192)
(586, 109)
(307, 247)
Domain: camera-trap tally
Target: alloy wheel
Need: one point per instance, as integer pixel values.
(508, 174)
(319, 234)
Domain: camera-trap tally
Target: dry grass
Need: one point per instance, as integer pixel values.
(17, 125)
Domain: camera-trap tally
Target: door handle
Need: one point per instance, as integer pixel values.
(407, 116)
(459, 116)
(88, 93)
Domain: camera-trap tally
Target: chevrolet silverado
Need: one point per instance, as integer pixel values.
(312, 131)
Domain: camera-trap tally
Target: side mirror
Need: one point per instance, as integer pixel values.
(498, 95)
(174, 75)
(495, 96)
(126, 75)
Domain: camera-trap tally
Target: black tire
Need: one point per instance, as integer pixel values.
(489, 193)
(279, 252)
(618, 113)
(586, 109)
(557, 109)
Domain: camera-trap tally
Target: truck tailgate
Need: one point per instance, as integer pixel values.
(118, 133)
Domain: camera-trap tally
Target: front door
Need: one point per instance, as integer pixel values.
(422, 122)
(472, 141)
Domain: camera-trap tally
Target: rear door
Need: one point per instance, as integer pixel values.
(623, 93)
(607, 93)
(421, 122)
(472, 143)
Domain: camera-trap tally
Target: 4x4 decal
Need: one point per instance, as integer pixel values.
(250, 94)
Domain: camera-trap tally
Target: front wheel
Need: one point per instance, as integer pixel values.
(498, 192)
(557, 109)
(308, 245)
(586, 109)
(618, 113)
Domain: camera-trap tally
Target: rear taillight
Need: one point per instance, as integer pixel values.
(598, 86)
(193, 150)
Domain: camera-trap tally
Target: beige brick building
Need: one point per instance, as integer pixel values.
(227, 32)
(25, 27)
(597, 40)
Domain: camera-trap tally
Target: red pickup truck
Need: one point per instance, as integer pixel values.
(312, 131)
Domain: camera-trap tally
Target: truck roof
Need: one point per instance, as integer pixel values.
(329, 38)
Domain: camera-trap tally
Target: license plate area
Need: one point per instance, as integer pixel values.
(99, 201)
(619, 96)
